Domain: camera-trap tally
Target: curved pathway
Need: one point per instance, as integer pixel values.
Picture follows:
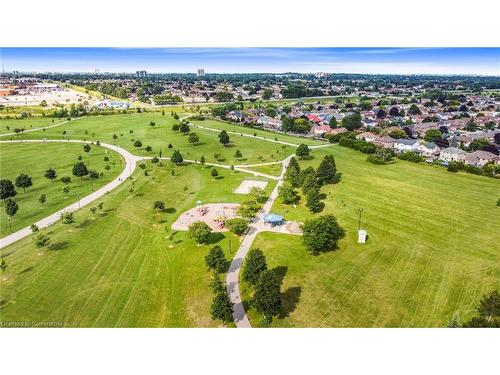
(44, 127)
(232, 276)
(130, 164)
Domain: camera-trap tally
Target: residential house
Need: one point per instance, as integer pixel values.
(321, 129)
(313, 118)
(384, 142)
(368, 136)
(422, 128)
(452, 154)
(237, 116)
(480, 158)
(269, 121)
(338, 131)
(428, 149)
(402, 145)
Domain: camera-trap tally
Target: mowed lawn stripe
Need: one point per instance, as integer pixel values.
(431, 251)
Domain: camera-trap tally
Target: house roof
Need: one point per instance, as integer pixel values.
(406, 142)
(453, 150)
(430, 145)
(480, 155)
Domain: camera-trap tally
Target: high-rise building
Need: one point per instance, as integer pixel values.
(141, 73)
(200, 72)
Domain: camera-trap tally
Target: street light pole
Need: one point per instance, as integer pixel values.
(360, 210)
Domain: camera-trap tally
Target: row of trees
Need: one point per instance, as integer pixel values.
(267, 295)
(8, 191)
(222, 307)
(310, 180)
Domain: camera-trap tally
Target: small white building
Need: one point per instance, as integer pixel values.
(361, 236)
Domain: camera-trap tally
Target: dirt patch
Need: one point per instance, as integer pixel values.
(246, 185)
(213, 214)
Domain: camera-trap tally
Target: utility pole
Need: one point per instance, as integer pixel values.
(360, 210)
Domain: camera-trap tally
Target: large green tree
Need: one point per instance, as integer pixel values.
(23, 181)
(326, 170)
(267, 297)
(224, 138)
(321, 234)
(313, 200)
(414, 110)
(222, 307)
(288, 194)
(352, 121)
(193, 138)
(292, 174)
(7, 189)
(11, 208)
(255, 263)
(216, 260)
(302, 151)
(176, 157)
(80, 169)
(237, 225)
(200, 232)
(432, 134)
(51, 174)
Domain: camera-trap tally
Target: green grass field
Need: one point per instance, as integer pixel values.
(432, 248)
(215, 124)
(8, 125)
(120, 269)
(160, 136)
(272, 169)
(34, 160)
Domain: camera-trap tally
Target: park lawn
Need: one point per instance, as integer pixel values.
(34, 159)
(271, 169)
(432, 248)
(159, 137)
(119, 268)
(8, 125)
(228, 126)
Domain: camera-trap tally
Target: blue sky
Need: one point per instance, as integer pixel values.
(482, 61)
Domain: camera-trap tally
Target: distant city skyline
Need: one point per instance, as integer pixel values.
(439, 61)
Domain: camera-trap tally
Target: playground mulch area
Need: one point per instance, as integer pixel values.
(213, 214)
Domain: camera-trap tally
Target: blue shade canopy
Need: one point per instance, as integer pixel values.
(273, 218)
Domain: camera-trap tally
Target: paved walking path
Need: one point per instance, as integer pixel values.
(244, 135)
(44, 127)
(232, 275)
(130, 164)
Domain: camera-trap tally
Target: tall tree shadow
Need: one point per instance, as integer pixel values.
(280, 273)
(289, 299)
(337, 178)
(215, 237)
(61, 245)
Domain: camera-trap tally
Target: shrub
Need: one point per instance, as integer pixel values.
(238, 226)
(453, 166)
(200, 232)
(375, 159)
(411, 156)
